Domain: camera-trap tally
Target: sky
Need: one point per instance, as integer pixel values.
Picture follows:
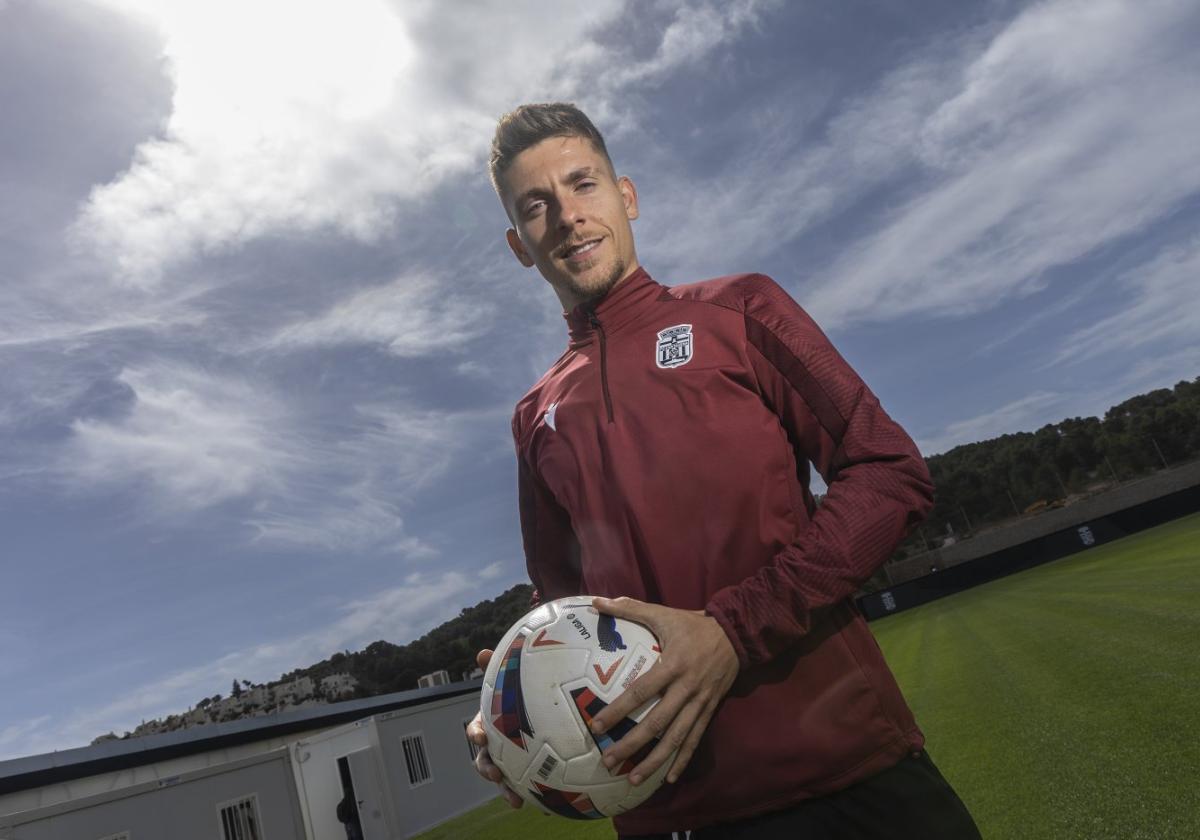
(261, 337)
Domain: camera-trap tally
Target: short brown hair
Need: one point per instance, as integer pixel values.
(528, 125)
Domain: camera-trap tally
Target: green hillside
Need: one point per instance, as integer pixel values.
(382, 667)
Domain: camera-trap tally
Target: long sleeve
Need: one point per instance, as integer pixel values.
(879, 486)
(551, 549)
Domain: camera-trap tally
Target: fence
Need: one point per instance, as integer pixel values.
(1053, 545)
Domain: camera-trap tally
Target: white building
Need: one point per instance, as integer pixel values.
(295, 691)
(254, 795)
(195, 717)
(258, 695)
(436, 678)
(402, 760)
(339, 685)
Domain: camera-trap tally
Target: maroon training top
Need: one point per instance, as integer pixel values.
(665, 457)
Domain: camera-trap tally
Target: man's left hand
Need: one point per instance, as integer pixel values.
(695, 670)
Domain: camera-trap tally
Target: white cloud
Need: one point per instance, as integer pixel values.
(693, 32)
(1052, 147)
(193, 438)
(1001, 155)
(16, 733)
(1161, 370)
(368, 474)
(1052, 312)
(67, 302)
(398, 614)
(277, 121)
(775, 188)
(302, 115)
(346, 518)
(1163, 305)
(411, 316)
(1035, 410)
(414, 447)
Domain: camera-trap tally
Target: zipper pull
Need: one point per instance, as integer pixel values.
(595, 322)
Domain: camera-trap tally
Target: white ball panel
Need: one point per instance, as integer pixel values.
(584, 771)
(553, 712)
(542, 615)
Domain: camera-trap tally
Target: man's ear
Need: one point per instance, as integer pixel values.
(629, 196)
(518, 248)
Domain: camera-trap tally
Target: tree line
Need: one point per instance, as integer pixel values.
(984, 483)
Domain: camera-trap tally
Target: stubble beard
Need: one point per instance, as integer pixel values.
(593, 292)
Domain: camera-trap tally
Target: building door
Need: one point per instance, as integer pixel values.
(368, 795)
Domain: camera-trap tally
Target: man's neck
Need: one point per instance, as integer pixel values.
(569, 301)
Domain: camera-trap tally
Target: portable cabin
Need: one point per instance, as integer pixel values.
(401, 771)
(404, 758)
(253, 797)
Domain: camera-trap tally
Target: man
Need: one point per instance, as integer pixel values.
(663, 463)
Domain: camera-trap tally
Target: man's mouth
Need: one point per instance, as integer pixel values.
(580, 250)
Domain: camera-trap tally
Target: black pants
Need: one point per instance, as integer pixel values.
(909, 800)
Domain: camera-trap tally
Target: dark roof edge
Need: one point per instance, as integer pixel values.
(143, 751)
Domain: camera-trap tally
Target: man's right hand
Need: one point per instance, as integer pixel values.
(483, 762)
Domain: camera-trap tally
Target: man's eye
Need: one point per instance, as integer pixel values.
(534, 207)
(586, 184)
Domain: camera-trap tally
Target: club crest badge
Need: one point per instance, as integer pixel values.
(674, 346)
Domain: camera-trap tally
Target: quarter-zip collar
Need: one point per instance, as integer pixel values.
(613, 311)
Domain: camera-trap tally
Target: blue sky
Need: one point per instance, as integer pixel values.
(261, 338)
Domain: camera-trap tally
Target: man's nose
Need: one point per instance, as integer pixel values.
(570, 213)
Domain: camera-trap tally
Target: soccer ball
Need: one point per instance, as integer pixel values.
(549, 676)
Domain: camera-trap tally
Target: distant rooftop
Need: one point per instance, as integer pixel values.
(33, 771)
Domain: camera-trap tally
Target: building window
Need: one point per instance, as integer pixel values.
(471, 745)
(414, 757)
(239, 819)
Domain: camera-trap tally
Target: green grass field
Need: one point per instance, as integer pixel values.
(1061, 702)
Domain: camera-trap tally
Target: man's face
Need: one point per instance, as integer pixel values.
(571, 218)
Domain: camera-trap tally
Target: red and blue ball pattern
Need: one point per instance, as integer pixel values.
(589, 706)
(577, 806)
(508, 704)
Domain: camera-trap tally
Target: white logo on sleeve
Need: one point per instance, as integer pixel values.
(674, 346)
(549, 415)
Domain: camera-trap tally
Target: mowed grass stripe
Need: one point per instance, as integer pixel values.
(497, 821)
(1061, 702)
